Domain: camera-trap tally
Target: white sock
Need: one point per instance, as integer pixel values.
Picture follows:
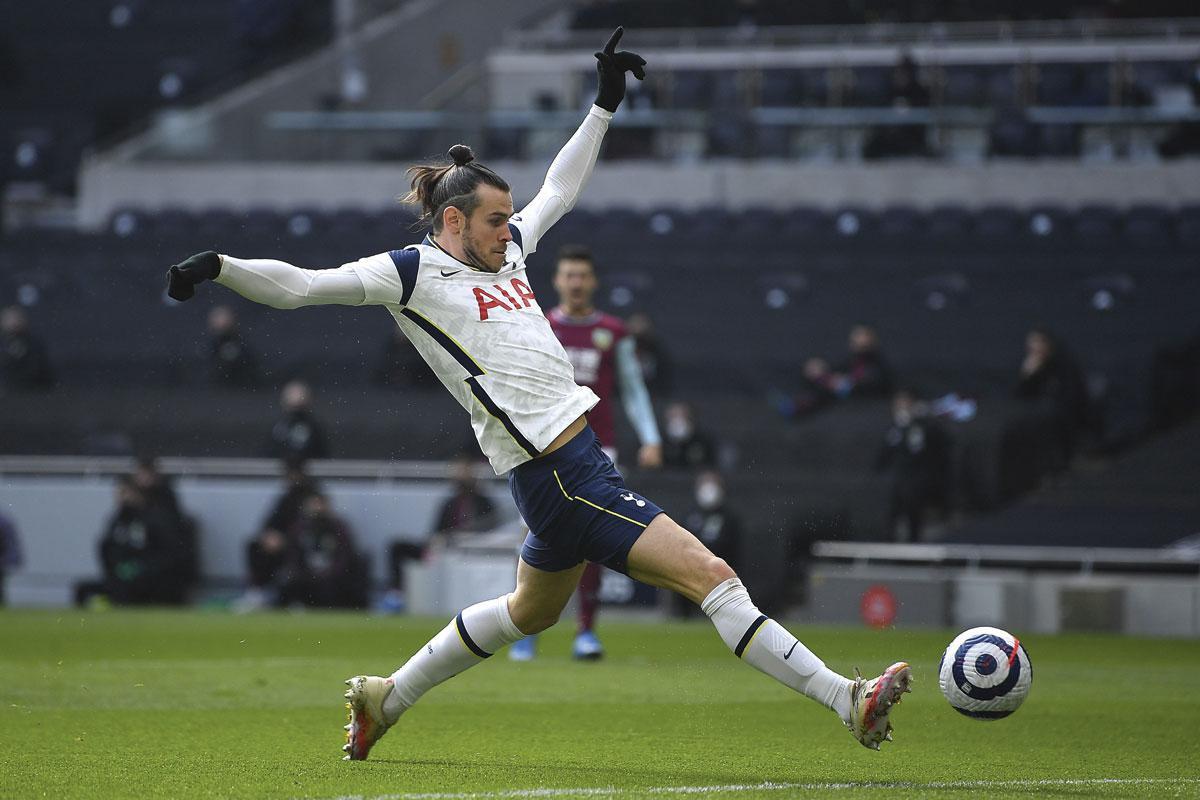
(475, 634)
(768, 647)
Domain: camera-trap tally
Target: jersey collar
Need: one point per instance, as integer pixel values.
(429, 240)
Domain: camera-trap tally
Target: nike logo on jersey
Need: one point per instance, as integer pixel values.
(789, 652)
(448, 274)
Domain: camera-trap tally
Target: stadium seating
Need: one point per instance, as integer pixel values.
(739, 299)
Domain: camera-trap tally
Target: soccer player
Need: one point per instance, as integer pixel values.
(603, 355)
(462, 297)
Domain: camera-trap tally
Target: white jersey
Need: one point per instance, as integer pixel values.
(486, 338)
(483, 333)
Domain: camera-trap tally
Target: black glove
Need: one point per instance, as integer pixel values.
(182, 278)
(612, 66)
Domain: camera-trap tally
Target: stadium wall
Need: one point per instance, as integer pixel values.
(61, 519)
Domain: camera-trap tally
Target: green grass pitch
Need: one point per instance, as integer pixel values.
(196, 704)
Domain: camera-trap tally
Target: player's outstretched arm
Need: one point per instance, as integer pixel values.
(273, 283)
(636, 399)
(573, 165)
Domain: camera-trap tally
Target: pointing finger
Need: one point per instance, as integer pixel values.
(612, 40)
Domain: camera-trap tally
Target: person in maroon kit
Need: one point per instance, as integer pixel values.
(604, 356)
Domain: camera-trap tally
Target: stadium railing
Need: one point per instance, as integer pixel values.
(1085, 560)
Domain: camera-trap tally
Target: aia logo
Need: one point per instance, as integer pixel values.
(487, 301)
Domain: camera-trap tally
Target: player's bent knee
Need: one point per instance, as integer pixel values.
(717, 571)
(536, 623)
(532, 620)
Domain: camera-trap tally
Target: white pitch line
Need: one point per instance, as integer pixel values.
(612, 791)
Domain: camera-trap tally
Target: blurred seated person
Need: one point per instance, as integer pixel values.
(156, 487)
(266, 553)
(1052, 383)
(144, 554)
(230, 361)
(465, 511)
(906, 92)
(1183, 139)
(651, 354)
(322, 568)
(11, 557)
(24, 362)
(297, 434)
(400, 366)
(916, 455)
(160, 497)
(684, 445)
(713, 523)
(864, 373)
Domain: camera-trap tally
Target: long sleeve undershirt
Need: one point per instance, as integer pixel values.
(282, 285)
(634, 395)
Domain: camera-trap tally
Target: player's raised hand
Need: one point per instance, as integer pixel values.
(611, 65)
(183, 277)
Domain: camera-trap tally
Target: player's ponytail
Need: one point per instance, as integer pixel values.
(436, 187)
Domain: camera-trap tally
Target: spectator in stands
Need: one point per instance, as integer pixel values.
(156, 487)
(916, 456)
(1184, 137)
(714, 524)
(1175, 382)
(161, 500)
(322, 567)
(466, 510)
(143, 554)
(1052, 383)
(652, 355)
(907, 92)
(864, 373)
(24, 362)
(400, 366)
(684, 445)
(267, 551)
(297, 434)
(231, 363)
(712, 521)
(10, 551)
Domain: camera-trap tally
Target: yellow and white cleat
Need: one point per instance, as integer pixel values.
(367, 723)
(871, 702)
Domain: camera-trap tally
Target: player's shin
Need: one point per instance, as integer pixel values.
(475, 634)
(767, 646)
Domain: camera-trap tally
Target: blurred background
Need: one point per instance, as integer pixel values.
(914, 287)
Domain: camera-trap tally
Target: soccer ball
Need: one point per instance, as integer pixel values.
(985, 673)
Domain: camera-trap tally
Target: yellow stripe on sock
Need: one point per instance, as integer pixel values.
(750, 643)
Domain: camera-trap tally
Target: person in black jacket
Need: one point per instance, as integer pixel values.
(322, 567)
(231, 362)
(267, 551)
(715, 524)
(1051, 383)
(297, 434)
(916, 454)
(24, 362)
(143, 555)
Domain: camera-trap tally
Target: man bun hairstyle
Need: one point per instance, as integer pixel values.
(436, 187)
(462, 155)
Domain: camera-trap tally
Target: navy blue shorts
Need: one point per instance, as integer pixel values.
(577, 507)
